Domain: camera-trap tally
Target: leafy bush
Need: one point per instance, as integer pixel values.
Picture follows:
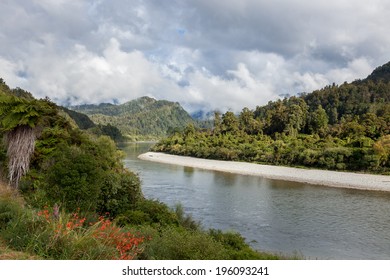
(175, 243)
(74, 180)
(236, 246)
(119, 192)
(158, 212)
(133, 217)
(185, 220)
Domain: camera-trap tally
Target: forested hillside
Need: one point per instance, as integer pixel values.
(341, 127)
(141, 118)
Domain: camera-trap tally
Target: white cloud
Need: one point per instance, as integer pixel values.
(82, 76)
(214, 54)
(9, 72)
(357, 68)
(242, 90)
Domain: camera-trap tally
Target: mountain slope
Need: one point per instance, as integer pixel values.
(380, 73)
(82, 120)
(144, 116)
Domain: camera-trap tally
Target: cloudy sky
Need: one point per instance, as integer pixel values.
(210, 54)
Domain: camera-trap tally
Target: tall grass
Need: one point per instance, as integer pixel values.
(51, 235)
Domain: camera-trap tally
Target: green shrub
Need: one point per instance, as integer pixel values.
(74, 180)
(152, 212)
(231, 240)
(236, 246)
(119, 192)
(133, 217)
(174, 243)
(185, 220)
(158, 212)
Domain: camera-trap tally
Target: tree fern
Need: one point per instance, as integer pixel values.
(19, 118)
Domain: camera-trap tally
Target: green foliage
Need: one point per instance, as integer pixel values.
(119, 193)
(10, 209)
(237, 248)
(177, 243)
(15, 111)
(72, 168)
(81, 172)
(21, 120)
(173, 243)
(74, 180)
(229, 123)
(21, 93)
(318, 121)
(108, 130)
(380, 73)
(157, 212)
(133, 217)
(382, 150)
(184, 220)
(82, 120)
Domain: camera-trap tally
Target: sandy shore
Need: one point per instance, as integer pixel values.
(310, 176)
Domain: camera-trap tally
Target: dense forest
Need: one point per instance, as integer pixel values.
(139, 119)
(65, 194)
(340, 127)
(83, 122)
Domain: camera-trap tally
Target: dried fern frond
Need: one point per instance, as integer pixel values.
(20, 144)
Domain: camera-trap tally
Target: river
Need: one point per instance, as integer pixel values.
(291, 218)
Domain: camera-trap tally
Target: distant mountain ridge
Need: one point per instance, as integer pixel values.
(144, 116)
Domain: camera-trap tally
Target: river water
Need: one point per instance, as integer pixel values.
(278, 216)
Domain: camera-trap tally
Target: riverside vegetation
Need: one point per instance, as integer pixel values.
(344, 127)
(65, 194)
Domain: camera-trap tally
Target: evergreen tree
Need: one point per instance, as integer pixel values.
(229, 123)
(318, 120)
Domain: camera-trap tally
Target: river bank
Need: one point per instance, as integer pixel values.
(310, 176)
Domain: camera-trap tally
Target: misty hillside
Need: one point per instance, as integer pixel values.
(144, 116)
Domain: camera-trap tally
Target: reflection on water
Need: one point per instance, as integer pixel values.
(188, 171)
(227, 179)
(319, 222)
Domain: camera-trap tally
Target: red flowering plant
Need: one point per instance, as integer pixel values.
(72, 230)
(126, 243)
